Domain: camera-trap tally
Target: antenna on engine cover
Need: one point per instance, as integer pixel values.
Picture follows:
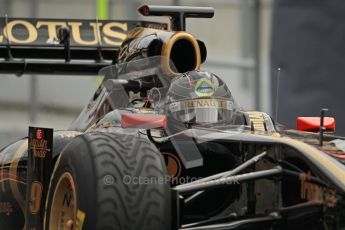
(177, 14)
(277, 95)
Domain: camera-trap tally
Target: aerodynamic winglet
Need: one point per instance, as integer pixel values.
(178, 14)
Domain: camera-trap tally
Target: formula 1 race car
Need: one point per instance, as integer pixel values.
(161, 144)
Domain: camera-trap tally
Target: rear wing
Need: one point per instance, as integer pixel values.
(62, 46)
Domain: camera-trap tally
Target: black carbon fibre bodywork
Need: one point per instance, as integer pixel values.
(245, 200)
(13, 171)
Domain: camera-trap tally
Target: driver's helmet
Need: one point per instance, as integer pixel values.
(199, 97)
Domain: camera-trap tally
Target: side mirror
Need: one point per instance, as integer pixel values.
(312, 124)
(143, 121)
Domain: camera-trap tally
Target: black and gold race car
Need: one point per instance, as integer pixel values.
(161, 144)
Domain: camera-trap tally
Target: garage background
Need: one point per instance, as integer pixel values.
(308, 44)
(237, 38)
(240, 50)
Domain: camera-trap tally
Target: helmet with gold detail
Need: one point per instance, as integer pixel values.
(200, 97)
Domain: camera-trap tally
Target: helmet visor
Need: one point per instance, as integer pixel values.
(200, 110)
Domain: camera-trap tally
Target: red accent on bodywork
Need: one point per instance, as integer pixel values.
(336, 155)
(39, 134)
(12, 177)
(144, 10)
(72, 185)
(312, 124)
(143, 121)
(309, 176)
(148, 100)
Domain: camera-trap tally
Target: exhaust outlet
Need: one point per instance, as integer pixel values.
(180, 48)
(183, 50)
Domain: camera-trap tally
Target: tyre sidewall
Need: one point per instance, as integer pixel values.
(76, 160)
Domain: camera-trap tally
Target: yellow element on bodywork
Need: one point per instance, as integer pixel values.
(99, 80)
(258, 120)
(312, 152)
(36, 197)
(262, 123)
(275, 134)
(80, 220)
(204, 88)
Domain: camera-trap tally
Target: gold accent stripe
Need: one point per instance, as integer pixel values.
(258, 120)
(80, 220)
(11, 179)
(2, 161)
(312, 152)
(318, 156)
(169, 43)
(13, 170)
(49, 190)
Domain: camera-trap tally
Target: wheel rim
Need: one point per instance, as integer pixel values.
(63, 209)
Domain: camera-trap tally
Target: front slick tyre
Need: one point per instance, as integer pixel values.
(95, 186)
